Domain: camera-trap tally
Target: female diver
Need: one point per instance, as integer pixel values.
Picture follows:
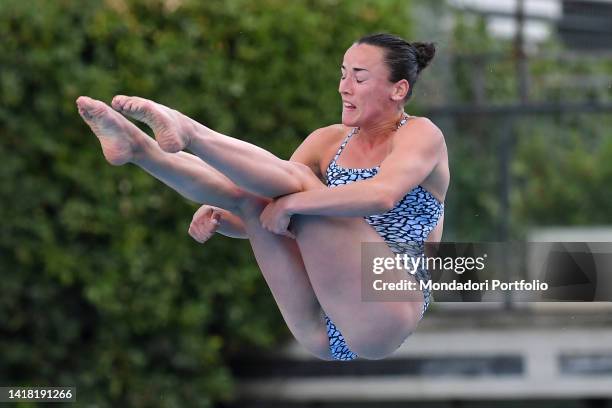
(380, 176)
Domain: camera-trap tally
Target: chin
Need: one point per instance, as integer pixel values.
(349, 120)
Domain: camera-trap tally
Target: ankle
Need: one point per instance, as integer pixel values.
(190, 129)
(142, 149)
(197, 136)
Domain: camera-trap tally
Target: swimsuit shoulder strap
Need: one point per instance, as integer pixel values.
(343, 145)
(404, 119)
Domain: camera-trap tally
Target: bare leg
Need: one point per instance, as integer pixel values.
(122, 142)
(372, 329)
(278, 257)
(282, 266)
(263, 173)
(331, 248)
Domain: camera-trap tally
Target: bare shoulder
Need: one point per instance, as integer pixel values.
(420, 130)
(317, 148)
(328, 134)
(423, 126)
(320, 139)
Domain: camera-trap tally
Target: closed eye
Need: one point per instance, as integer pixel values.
(342, 76)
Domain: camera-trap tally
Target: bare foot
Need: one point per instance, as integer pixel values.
(171, 127)
(116, 134)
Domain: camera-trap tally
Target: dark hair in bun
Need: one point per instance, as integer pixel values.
(425, 53)
(405, 60)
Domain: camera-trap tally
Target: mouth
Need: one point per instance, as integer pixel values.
(348, 105)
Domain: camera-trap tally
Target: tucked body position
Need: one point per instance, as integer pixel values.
(380, 176)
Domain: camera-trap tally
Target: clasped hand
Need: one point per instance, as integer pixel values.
(275, 217)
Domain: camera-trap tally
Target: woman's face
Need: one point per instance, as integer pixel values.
(365, 87)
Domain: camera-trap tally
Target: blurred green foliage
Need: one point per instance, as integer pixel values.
(102, 289)
(559, 161)
(561, 171)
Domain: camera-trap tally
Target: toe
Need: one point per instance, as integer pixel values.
(91, 109)
(85, 107)
(118, 102)
(84, 114)
(84, 103)
(83, 100)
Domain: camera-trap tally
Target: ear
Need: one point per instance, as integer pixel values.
(400, 90)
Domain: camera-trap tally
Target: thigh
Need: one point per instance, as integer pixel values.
(331, 249)
(280, 262)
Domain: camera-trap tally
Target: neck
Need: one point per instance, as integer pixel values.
(381, 128)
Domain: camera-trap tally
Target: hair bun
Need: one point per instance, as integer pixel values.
(424, 52)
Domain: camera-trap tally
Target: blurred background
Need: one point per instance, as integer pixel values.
(102, 288)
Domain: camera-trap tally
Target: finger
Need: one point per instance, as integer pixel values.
(284, 233)
(202, 211)
(195, 237)
(194, 234)
(291, 231)
(263, 217)
(207, 213)
(204, 234)
(194, 229)
(198, 232)
(201, 239)
(289, 234)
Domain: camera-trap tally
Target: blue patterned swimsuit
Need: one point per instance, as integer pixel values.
(409, 222)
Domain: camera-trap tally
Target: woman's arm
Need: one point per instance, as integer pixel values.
(208, 220)
(414, 154)
(413, 157)
(231, 225)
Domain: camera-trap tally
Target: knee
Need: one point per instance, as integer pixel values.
(318, 347)
(378, 349)
(314, 339)
(381, 339)
(305, 176)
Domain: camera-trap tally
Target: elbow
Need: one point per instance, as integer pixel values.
(386, 201)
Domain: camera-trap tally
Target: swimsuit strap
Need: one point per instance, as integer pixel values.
(342, 146)
(356, 130)
(403, 121)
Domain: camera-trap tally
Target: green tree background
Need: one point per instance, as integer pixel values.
(559, 162)
(101, 286)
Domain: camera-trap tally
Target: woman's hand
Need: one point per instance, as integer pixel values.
(275, 218)
(204, 223)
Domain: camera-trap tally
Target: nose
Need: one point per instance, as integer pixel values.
(345, 87)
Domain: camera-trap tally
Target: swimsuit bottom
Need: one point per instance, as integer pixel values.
(337, 345)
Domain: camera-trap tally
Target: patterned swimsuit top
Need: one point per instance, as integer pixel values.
(409, 222)
(404, 228)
